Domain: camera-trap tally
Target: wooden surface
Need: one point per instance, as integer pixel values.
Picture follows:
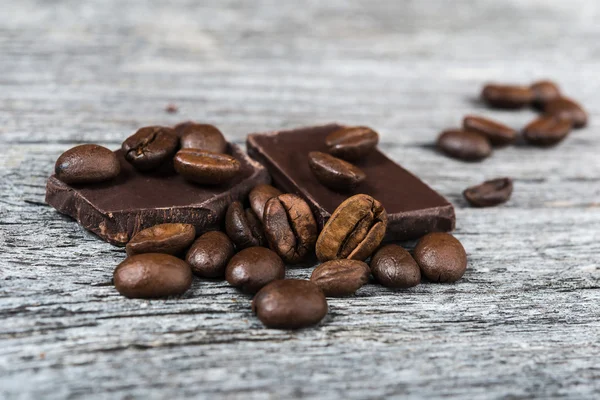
(524, 321)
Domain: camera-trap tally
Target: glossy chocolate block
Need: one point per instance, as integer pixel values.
(118, 209)
(413, 208)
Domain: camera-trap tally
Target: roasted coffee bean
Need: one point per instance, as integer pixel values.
(547, 131)
(543, 92)
(489, 193)
(333, 172)
(254, 267)
(354, 230)
(150, 147)
(290, 227)
(498, 134)
(507, 96)
(210, 254)
(203, 137)
(152, 275)
(163, 238)
(206, 167)
(394, 267)
(290, 304)
(441, 257)
(564, 108)
(243, 227)
(87, 163)
(338, 278)
(351, 143)
(259, 196)
(464, 145)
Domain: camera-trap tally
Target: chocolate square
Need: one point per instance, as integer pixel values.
(116, 210)
(413, 208)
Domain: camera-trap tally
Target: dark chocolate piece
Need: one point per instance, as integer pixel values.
(413, 208)
(133, 201)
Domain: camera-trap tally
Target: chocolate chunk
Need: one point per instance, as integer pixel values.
(413, 208)
(116, 210)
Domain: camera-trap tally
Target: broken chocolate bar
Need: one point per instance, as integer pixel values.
(413, 208)
(116, 210)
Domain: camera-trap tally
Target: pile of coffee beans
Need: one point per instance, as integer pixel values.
(155, 265)
(479, 135)
(345, 145)
(267, 231)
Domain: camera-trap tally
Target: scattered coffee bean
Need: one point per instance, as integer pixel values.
(150, 147)
(290, 227)
(87, 163)
(243, 227)
(351, 143)
(564, 108)
(354, 230)
(171, 108)
(489, 193)
(333, 172)
(259, 196)
(547, 131)
(290, 304)
(441, 257)
(507, 96)
(152, 275)
(394, 267)
(543, 92)
(206, 167)
(203, 137)
(164, 238)
(498, 134)
(209, 255)
(254, 267)
(339, 278)
(464, 145)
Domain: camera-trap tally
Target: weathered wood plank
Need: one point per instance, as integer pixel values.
(524, 321)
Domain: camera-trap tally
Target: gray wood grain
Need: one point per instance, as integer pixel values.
(524, 321)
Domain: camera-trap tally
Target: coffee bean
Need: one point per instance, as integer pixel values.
(290, 227)
(87, 163)
(290, 304)
(547, 131)
(543, 92)
(498, 134)
(507, 96)
(206, 167)
(254, 267)
(354, 230)
(163, 238)
(394, 267)
(333, 172)
(351, 143)
(259, 196)
(564, 108)
(171, 108)
(489, 193)
(338, 278)
(243, 227)
(441, 257)
(150, 147)
(210, 254)
(203, 137)
(152, 275)
(464, 145)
